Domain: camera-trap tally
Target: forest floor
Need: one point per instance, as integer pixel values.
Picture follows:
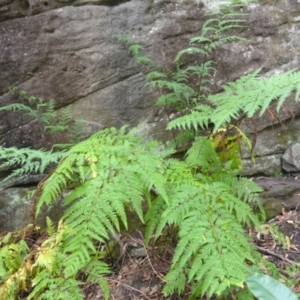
(138, 272)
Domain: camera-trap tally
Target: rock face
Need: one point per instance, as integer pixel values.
(65, 49)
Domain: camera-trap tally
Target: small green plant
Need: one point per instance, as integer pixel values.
(44, 112)
(184, 87)
(31, 161)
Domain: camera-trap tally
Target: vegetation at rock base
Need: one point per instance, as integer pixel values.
(114, 170)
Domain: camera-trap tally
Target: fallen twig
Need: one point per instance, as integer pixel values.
(129, 287)
(261, 249)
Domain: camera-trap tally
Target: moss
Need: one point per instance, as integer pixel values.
(285, 136)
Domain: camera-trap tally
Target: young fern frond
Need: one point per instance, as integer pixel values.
(136, 50)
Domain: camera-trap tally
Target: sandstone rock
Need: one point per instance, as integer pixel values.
(27, 179)
(270, 145)
(13, 213)
(278, 194)
(291, 158)
(15, 210)
(267, 165)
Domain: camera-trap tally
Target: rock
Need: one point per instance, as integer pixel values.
(15, 210)
(14, 213)
(278, 194)
(291, 158)
(23, 180)
(270, 145)
(267, 165)
(64, 49)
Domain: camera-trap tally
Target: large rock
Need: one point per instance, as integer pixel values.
(64, 49)
(16, 211)
(291, 158)
(270, 144)
(279, 194)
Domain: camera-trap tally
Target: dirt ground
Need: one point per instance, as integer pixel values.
(138, 273)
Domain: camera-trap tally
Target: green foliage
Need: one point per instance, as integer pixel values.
(13, 267)
(135, 49)
(41, 273)
(186, 86)
(36, 108)
(267, 288)
(44, 112)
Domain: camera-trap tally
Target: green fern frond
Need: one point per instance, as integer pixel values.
(50, 287)
(135, 49)
(207, 228)
(248, 95)
(114, 170)
(199, 118)
(19, 106)
(191, 51)
(27, 161)
(155, 75)
(202, 155)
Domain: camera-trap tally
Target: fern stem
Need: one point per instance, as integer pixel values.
(200, 79)
(169, 120)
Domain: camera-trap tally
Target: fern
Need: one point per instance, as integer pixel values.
(175, 87)
(136, 50)
(31, 161)
(110, 171)
(210, 209)
(247, 95)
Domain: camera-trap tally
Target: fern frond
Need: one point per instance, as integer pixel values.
(198, 118)
(155, 75)
(249, 94)
(19, 106)
(202, 155)
(27, 161)
(135, 49)
(115, 170)
(190, 51)
(48, 287)
(207, 228)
